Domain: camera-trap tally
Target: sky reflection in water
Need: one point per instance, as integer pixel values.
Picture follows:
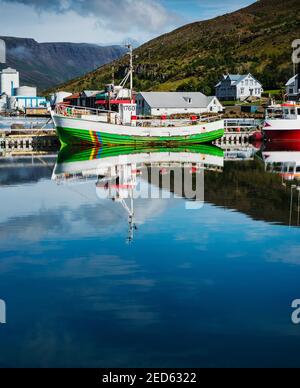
(209, 287)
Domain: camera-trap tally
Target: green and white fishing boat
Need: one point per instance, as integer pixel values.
(77, 125)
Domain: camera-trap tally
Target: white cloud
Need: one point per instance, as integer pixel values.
(287, 254)
(107, 21)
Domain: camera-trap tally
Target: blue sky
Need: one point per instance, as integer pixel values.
(202, 9)
(105, 21)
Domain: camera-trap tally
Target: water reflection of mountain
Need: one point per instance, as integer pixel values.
(248, 188)
(25, 169)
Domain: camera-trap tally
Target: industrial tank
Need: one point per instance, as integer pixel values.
(25, 91)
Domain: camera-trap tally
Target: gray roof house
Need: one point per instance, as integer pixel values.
(293, 88)
(168, 103)
(238, 87)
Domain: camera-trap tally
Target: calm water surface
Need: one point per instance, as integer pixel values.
(210, 287)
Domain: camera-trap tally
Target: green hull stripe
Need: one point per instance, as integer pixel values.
(78, 136)
(69, 154)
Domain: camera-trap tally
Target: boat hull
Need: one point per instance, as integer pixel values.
(80, 131)
(282, 130)
(283, 135)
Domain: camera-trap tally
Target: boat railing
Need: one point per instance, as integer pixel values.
(79, 111)
(170, 122)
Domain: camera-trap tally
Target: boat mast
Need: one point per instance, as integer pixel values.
(131, 71)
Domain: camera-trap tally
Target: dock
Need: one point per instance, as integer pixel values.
(239, 131)
(29, 141)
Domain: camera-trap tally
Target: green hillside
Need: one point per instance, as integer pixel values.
(255, 39)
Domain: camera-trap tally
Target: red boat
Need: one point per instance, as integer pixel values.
(282, 123)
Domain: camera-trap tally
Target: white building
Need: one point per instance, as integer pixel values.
(293, 88)
(24, 102)
(26, 97)
(9, 81)
(58, 97)
(169, 103)
(238, 87)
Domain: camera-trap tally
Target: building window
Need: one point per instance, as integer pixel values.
(298, 110)
(247, 82)
(291, 91)
(242, 90)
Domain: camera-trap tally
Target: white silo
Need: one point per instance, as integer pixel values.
(9, 80)
(2, 51)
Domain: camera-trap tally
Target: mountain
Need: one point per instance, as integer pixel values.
(48, 64)
(255, 39)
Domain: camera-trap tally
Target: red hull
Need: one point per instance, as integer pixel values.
(284, 135)
(283, 146)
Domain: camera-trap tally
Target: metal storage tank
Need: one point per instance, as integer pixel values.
(25, 91)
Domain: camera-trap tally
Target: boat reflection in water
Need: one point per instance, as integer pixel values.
(123, 174)
(284, 159)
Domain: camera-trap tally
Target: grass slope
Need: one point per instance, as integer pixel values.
(255, 39)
